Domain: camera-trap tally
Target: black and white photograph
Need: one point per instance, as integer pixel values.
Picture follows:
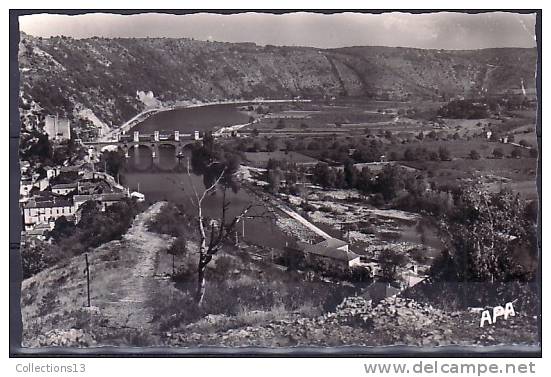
(203, 180)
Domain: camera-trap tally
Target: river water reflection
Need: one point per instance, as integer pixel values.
(176, 187)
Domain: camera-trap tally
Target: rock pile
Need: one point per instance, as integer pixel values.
(358, 321)
(65, 338)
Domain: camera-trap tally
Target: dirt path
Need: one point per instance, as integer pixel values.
(124, 284)
(125, 301)
(135, 285)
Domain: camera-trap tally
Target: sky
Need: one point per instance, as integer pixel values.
(433, 30)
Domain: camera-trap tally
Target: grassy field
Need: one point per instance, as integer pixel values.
(458, 148)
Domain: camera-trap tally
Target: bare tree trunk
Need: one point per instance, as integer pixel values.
(201, 282)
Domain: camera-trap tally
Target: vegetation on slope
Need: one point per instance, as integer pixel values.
(104, 75)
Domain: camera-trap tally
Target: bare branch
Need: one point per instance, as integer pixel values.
(192, 186)
(213, 186)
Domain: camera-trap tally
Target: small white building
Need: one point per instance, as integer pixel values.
(51, 172)
(24, 166)
(25, 186)
(138, 196)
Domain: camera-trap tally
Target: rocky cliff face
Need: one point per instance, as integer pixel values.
(104, 75)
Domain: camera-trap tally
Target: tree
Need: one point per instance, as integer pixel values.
(350, 173)
(516, 153)
(444, 154)
(389, 182)
(274, 180)
(474, 155)
(409, 155)
(498, 153)
(33, 258)
(272, 145)
(389, 261)
(524, 143)
(483, 235)
(369, 153)
(219, 174)
(177, 249)
(289, 145)
(62, 228)
(313, 145)
(340, 180)
(364, 181)
(114, 161)
(324, 175)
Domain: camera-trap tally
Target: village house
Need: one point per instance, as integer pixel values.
(64, 188)
(44, 209)
(87, 187)
(24, 166)
(40, 231)
(25, 186)
(331, 255)
(51, 172)
(106, 199)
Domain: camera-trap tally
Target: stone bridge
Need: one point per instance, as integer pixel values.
(152, 141)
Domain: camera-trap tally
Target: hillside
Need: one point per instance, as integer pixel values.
(134, 303)
(103, 76)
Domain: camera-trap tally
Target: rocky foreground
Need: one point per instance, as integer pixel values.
(393, 321)
(356, 322)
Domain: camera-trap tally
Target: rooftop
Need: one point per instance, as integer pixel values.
(331, 252)
(110, 196)
(52, 203)
(65, 186)
(328, 249)
(332, 242)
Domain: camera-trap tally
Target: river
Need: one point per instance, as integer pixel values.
(177, 188)
(200, 118)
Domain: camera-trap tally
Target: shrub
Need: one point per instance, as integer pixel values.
(171, 220)
(474, 155)
(444, 154)
(33, 259)
(307, 207)
(377, 200)
(516, 153)
(497, 153)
